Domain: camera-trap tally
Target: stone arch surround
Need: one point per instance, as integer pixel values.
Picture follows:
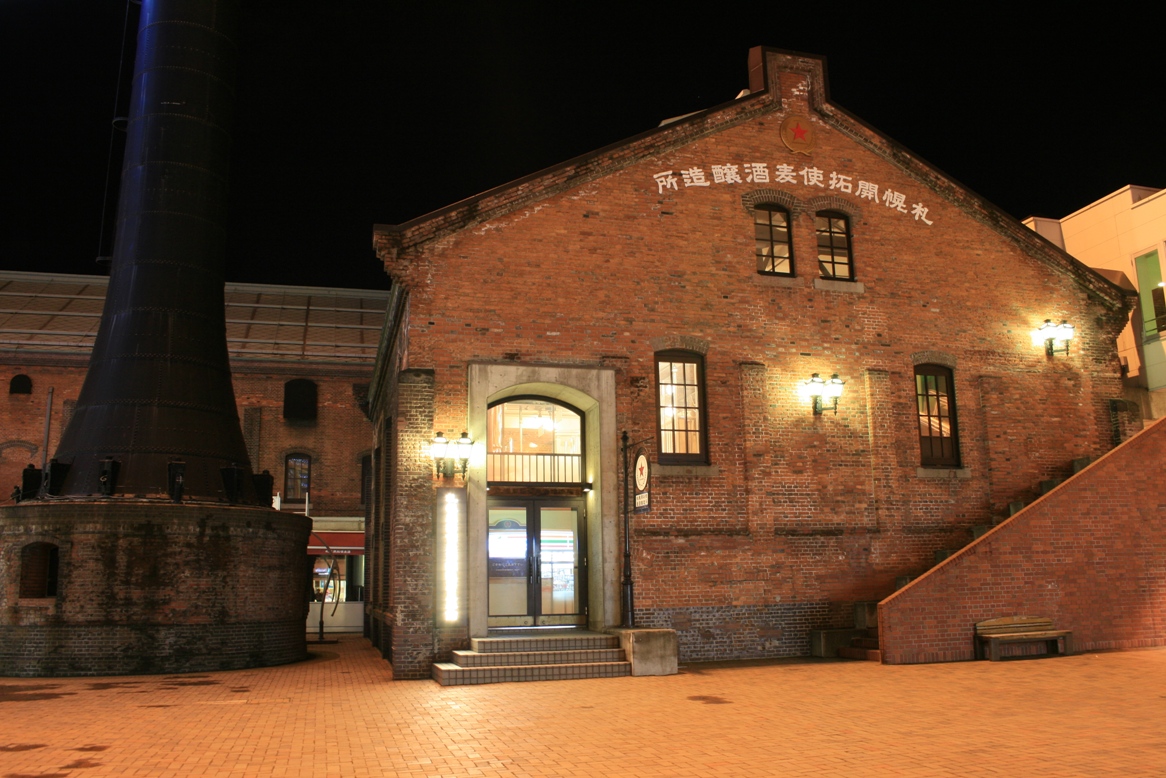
(592, 391)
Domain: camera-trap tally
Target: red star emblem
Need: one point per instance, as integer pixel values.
(641, 469)
(799, 132)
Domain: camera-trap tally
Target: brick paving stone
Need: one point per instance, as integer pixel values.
(340, 715)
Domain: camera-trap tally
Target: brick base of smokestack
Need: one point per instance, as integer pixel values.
(144, 587)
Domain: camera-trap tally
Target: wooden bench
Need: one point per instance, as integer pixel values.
(992, 634)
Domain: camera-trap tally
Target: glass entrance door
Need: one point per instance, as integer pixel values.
(536, 562)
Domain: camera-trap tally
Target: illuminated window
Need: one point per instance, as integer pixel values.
(681, 401)
(834, 259)
(534, 440)
(935, 403)
(38, 570)
(299, 400)
(771, 233)
(297, 477)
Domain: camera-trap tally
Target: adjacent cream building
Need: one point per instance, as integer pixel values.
(1123, 237)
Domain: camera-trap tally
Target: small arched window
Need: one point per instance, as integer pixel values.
(299, 400)
(297, 477)
(775, 254)
(20, 384)
(38, 570)
(834, 255)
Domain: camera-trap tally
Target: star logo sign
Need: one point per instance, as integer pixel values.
(797, 133)
(641, 471)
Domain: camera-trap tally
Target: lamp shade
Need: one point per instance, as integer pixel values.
(464, 445)
(833, 388)
(440, 446)
(812, 387)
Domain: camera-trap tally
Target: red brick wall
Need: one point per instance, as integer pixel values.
(336, 441)
(1090, 555)
(798, 514)
(22, 417)
(147, 587)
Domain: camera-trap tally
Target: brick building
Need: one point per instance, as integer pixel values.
(301, 361)
(684, 286)
(1123, 237)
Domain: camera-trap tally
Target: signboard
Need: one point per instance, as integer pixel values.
(340, 543)
(643, 479)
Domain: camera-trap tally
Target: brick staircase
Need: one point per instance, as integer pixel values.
(535, 656)
(864, 638)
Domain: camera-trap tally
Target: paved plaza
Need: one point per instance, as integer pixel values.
(340, 714)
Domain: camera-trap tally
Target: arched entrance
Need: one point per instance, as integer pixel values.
(530, 520)
(536, 513)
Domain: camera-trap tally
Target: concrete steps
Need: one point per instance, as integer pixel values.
(535, 657)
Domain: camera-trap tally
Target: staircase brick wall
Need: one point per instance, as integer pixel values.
(1091, 555)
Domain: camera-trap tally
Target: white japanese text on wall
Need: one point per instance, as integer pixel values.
(759, 173)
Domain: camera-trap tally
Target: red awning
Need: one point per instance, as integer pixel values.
(339, 542)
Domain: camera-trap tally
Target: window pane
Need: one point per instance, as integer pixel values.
(297, 477)
(936, 408)
(692, 399)
(679, 406)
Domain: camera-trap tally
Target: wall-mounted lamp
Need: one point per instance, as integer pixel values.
(587, 488)
(1054, 337)
(450, 458)
(822, 391)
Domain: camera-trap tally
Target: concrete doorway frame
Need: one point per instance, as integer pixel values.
(592, 391)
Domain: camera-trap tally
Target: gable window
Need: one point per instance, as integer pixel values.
(20, 384)
(771, 233)
(297, 477)
(834, 258)
(38, 570)
(935, 406)
(299, 400)
(681, 420)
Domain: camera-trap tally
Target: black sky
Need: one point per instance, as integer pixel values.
(355, 112)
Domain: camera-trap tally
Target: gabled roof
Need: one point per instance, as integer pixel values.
(765, 63)
(56, 316)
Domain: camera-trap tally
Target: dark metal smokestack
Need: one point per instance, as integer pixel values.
(157, 403)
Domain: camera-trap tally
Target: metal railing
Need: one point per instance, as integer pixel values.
(535, 468)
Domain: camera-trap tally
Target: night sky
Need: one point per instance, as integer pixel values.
(352, 113)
